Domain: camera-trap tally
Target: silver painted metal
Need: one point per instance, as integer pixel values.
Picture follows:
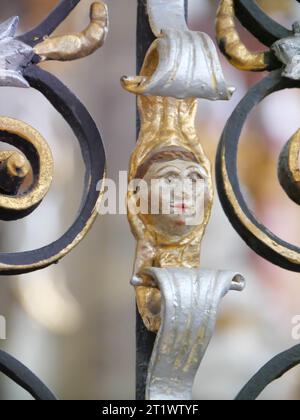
(166, 14)
(188, 65)
(14, 55)
(190, 302)
(287, 50)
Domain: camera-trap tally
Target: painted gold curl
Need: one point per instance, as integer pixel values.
(230, 42)
(26, 174)
(25, 178)
(77, 45)
(289, 168)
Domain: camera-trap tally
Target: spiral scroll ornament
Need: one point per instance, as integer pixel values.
(26, 174)
(282, 60)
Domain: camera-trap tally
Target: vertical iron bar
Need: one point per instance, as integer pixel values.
(144, 339)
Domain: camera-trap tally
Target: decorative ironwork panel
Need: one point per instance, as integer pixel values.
(26, 175)
(282, 60)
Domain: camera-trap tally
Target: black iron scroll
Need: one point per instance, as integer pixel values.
(281, 61)
(52, 21)
(265, 29)
(271, 372)
(257, 236)
(89, 138)
(144, 338)
(22, 376)
(18, 134)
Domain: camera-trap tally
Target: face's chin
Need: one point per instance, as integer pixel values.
(172, 226)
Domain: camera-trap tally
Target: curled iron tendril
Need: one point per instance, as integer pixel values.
(25, 176)
(272, 371)
(282, 60)
(23, 377)
(286, 52)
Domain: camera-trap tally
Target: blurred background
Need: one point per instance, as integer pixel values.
(73, 324)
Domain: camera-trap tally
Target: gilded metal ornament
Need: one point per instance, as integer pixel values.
(175, 298)
(289, 168)
(180, 63)
(77, 45)
(38, 163)
(231, 44)
(167, 133)
(167, 277)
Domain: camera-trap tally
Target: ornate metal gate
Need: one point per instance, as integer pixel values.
(21, 56)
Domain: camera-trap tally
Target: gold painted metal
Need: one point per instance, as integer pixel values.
(290, 255)
(166, 124)
(136, 84)
(289, 168)
(14, 169)
(16, 164)
(81, 235)
(36, 192)
(230, 42)
(293, 158)
(23, 187)
(77, 45)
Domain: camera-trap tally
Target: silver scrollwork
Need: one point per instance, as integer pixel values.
(190, 303)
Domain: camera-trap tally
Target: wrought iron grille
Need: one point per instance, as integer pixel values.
(89, 138)
(248, 227)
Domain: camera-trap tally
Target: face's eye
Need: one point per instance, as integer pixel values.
(195, 176)
(170, 177)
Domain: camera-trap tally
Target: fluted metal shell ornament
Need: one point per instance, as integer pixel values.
(190, 304)
(182, 63)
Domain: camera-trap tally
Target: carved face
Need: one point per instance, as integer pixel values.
(176, 193)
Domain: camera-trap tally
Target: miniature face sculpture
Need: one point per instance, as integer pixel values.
(176, 192)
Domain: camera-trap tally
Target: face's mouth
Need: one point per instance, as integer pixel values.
(180, 222)
(182, 207)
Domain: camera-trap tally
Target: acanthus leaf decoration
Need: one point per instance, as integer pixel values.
(14, 55)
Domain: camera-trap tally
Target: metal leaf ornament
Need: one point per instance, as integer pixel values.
(14, 55)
